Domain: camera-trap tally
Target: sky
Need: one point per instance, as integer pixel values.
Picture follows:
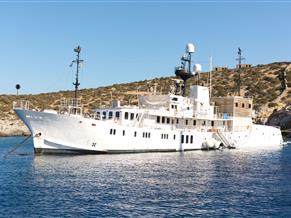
(126, 41)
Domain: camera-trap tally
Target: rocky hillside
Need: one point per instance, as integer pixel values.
(262, 82)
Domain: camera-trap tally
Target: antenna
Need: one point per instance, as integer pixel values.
(210, 75)
(78, 61)
(238, 80)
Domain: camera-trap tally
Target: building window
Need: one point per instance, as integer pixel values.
(111, 131)
(187, 139)
(117, 114)
(114, 131)
(177, 121)
(158, 119)
(223, 123)
(172, 106)
(134, 133)
(182, 139)
(168, 120)
(104, 115)
(126, 115)
(236, 104)
(174, 137)
(243, 105)
(131, 116)
(250, 106)
(212, 123)
(123, 132)
(204, 123)
(191, 139)
(186, 122)
(194, 122)
(149, 134)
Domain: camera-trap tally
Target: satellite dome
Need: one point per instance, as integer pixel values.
(197, 68)
(190, 48)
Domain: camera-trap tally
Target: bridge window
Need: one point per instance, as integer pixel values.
(110, 115)
(163, 119)
(158, 119)
(104, 115)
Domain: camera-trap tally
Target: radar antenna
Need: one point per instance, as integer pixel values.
(77, 61)
(184, 70)
(238, 80)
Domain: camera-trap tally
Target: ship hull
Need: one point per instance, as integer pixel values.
(73, 134)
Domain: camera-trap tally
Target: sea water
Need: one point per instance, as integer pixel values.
(200, 183)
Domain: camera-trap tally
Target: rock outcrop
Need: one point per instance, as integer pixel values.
(281, 118)
(12, 128)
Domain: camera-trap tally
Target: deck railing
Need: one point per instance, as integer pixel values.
(22, 104)
(71, 106)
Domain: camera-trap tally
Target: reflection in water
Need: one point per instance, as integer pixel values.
(190, 183)
(215, 183)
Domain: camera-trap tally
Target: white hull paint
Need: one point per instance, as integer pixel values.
(64, 133)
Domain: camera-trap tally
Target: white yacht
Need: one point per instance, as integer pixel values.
(160, 123)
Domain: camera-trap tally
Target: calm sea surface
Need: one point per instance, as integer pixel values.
(215, 183)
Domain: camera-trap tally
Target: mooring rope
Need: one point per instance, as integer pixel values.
(16, 146)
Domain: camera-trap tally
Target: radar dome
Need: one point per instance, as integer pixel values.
(197, 68)
(190, 48)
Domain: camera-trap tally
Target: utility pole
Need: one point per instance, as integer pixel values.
(238, 80)
(77, 61)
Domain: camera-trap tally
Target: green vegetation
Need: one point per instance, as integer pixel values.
(260, 82)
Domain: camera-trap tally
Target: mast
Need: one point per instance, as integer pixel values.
(238, 80)
(210, 75)
(77, 61)
(182, 70)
